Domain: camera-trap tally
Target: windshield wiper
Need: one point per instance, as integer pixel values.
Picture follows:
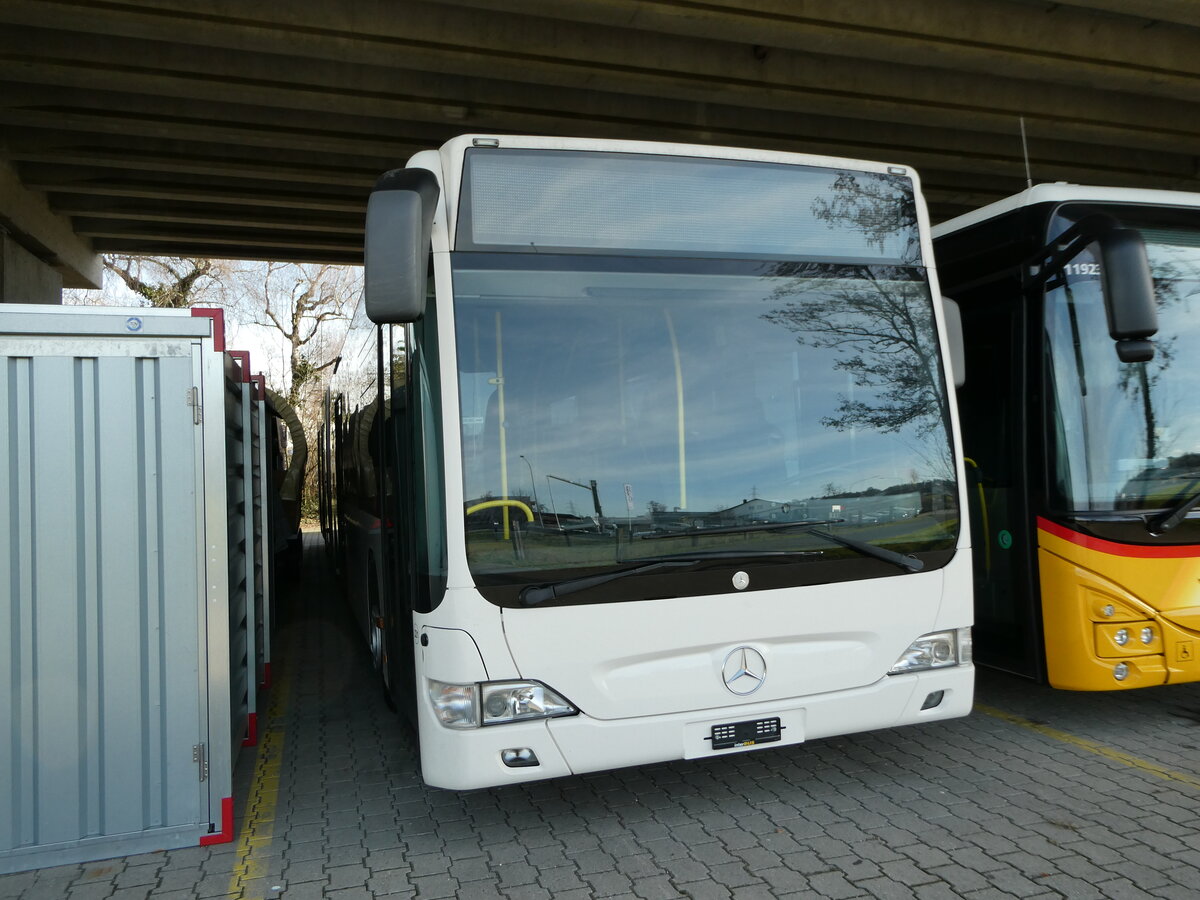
(535, 594)
(736, 529)
(905, 562)
(1169, 518)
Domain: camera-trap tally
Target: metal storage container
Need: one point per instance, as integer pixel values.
(249, 572)
(265, 486)
(117, 734)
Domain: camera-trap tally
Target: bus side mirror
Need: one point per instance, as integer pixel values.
(399, 223)
(954, 337)
(1128, 294)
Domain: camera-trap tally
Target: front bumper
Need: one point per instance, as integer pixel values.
(468, 759)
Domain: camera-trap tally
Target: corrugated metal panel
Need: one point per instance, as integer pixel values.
(101, 596)
(252, 492)
(241, 684)
(258, 456)
(266, 542)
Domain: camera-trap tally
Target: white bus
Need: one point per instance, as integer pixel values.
(641, 452)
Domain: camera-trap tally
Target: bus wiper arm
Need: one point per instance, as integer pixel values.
(533, 595)
(736, 529)
(1168, 519)
(905, 562)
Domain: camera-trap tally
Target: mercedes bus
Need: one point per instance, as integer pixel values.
(1081, 425)
(645, 452)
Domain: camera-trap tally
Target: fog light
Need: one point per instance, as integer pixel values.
(519, 757)
(934, 699)
(1147, 635)
(1121, 637)
(454, 704)
(1121, 671)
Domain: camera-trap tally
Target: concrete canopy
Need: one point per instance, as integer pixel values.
(233, 129)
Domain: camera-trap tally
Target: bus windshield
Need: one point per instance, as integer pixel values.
(1126, 436)
(617, 408)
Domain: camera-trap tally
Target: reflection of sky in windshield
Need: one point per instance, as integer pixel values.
(1117, 449)
(684, 391)
(536, 199)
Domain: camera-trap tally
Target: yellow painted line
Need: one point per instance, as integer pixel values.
(1125, 759)
(258, 831)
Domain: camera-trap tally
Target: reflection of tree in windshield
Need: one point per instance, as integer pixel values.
(878, 320)
(1174, 274)
(881, 207)
(883, 330)
(1127, 437)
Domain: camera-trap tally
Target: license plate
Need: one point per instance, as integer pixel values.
(746, 734)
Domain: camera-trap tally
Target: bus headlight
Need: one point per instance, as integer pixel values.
(935, 651)
(516, 701)
(495, 703)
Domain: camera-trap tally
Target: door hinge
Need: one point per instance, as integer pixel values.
(200, 758)
(193, 400)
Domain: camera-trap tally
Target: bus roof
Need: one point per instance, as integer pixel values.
(456, 146)
(1063, 192)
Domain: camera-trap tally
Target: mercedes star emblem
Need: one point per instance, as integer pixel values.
(744, 671)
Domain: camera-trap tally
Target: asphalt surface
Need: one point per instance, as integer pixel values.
(1037, 794)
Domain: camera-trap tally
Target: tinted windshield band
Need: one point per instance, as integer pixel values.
(682, 265)
(530, 201)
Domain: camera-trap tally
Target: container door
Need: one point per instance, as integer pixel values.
(98, 536)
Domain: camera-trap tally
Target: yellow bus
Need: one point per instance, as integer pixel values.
(1080, 413)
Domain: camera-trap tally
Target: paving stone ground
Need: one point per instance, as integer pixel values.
(1047, 794)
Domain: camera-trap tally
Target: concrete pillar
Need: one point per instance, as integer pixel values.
(40, 252)
(24, 278)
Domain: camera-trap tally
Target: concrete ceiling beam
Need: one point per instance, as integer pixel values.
(134, 161)
(981, 36)
(200, 195)
(98, 210)
(28, 218)
(590, 56)
(226, 238)
(1177, 12)
(525, 111)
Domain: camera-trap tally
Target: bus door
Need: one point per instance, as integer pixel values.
(995, 410)
(414, 542)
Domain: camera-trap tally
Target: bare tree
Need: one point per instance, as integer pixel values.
(169, 282)
(301, 302)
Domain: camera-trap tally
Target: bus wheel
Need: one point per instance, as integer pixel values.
(376, 640)
(385, 681)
